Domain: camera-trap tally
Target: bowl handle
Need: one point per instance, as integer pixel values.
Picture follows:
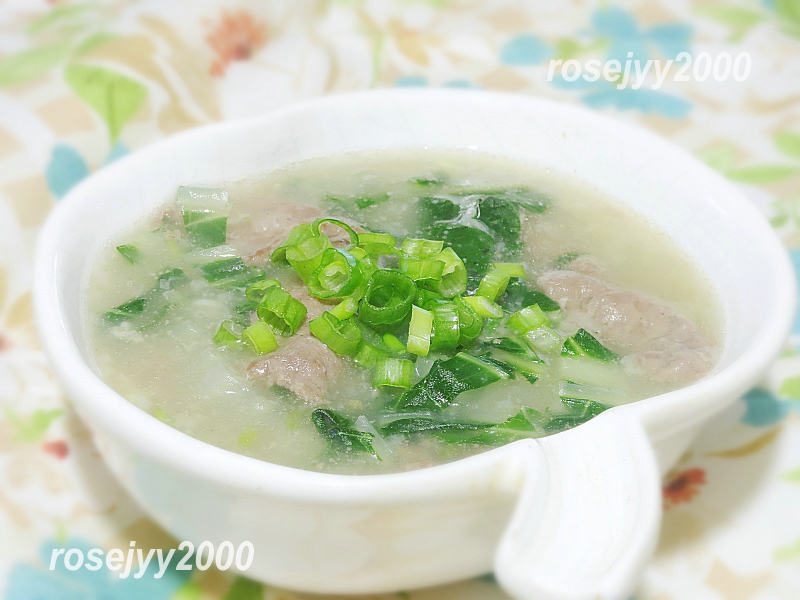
(587, 519)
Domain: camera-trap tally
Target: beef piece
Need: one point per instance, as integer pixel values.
(301, 363)
(658, 341)
(256, 239)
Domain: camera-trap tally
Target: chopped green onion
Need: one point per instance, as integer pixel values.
(422, 269)
(421, 248)
(346, 308)
(368, 355)
(388, 299)
(225, 335)
(281, 311)
(255, 292)
(306, 255)
(340, 335)
(470, 323)
(426, 298)
(368, 238)
(419, 331)
(393, 372)
(584, 343)
(511, 269)
(484, 307)
(446, 333)
(350, 231)
(260, 338)
(298, 233)
(543, 339)
(454, 275)
(527, 319)
(377, 244)
(338, 275)
(129, 253)
(494, 283)
(393, 343)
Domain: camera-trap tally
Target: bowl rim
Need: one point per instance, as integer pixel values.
(115, 415)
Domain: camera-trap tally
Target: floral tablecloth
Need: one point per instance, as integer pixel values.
(84, 83)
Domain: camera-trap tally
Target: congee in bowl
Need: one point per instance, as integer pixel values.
(381, 312)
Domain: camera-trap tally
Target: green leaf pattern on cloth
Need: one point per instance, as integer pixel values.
(115, 97)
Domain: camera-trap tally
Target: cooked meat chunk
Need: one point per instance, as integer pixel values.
(586, 265)
(301, 363)
(255, 239)
(657, 340)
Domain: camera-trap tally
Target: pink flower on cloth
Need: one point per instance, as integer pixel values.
(235, 36)
(57, 448)
(683, 486)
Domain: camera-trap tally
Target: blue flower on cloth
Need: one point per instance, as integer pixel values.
(38, 582)
(624, 34)
(411, 81)
(419, 81)
(604, 94)
(523, 50)
(763, 408)
(795, 256)
(67, 167)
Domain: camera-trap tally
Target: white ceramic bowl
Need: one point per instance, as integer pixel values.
(570, 516)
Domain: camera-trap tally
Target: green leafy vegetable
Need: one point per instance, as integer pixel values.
(446, 380)
(230, 272)
(339, 431)
(434, 209)
(584, 343)
(129, 253)
(351, 204)
(501, 218)
(518, 294)
(151, 304)
(562, 261)
(474, 247)
(436, 180)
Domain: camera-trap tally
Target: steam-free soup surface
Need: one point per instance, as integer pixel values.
(534, 304)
